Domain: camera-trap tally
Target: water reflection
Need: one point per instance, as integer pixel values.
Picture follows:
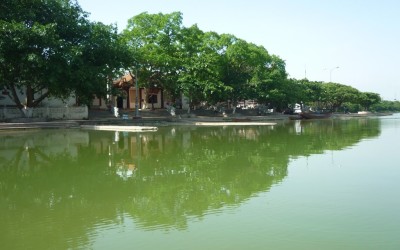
(58, 186)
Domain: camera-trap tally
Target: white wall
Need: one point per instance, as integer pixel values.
(70, 113)
(48, 102)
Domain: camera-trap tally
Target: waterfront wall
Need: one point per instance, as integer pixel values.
(58, 113)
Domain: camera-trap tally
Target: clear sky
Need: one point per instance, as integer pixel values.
(361, 37)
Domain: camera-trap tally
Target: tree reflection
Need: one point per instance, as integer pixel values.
(65, 183)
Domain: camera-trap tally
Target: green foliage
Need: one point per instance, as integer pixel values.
(277, 88)
(335, 94)
(367, 99)
(209, 67)
(153, 42)
(200, 76)
(386, 106)
(49, 48)
(351, 107)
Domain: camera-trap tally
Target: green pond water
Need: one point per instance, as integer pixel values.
(327, 184)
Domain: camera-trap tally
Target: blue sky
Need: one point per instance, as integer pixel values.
(361, 37)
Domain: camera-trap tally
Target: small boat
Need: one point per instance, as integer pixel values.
(315, 115)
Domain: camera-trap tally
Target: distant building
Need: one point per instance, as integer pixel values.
(124, 96)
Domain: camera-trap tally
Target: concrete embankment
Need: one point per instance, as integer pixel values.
(38, 125)
(148, 120)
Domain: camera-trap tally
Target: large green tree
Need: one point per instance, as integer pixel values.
(200, 76)
(312, 93)
(241, 62)
(49, 48)
(153, 40)
(209, 67)
(275, 89)
(335, 94)
(367, 99)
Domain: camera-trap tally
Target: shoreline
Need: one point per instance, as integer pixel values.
(136, 124)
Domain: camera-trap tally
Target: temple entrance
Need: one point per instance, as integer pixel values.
(120, 102)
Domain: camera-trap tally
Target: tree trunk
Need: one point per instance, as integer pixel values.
(188, 111)
(30, 101)
(30, 96)
(14, 96)
(234, 104)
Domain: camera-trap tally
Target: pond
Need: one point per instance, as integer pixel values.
(320, 184)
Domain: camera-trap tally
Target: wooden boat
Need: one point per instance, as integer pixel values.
(315, 115)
